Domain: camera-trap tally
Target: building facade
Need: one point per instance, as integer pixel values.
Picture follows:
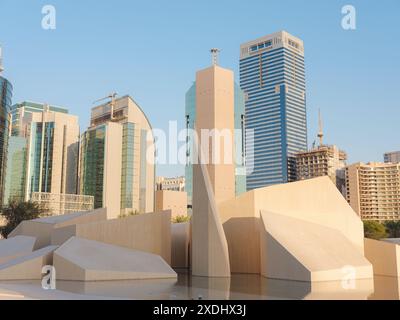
(392, 157)
(16, 170)
(373, 190)
(239, 132)
(272, 76)
(117, 158)
(44, 153)
(20, 110)
(53, 151)
(5, 104)
(324, 160)
(60, 204)
(176, 201)
(172, 184)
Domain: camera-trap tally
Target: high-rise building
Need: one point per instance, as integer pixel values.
(19, 110)
(172, 184)
(116, 159)
(324, 160)
(272, 75)
(53, 151)
(373, 190)
(191, 111)
(5, 104)
(43, 161)
(15, 178)
(392, 157)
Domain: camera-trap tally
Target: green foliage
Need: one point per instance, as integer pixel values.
(393, 228)
(18, 211)
(129, 214)
(374, 230)
(180, 219)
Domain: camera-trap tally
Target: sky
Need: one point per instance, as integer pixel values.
(151, 50)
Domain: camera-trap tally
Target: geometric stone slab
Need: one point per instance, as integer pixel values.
(15, 247)
(315, 200)
(28, 266)
(42, 228)
(384, 256)
(149, 232)
(294, 249)
(88, 260)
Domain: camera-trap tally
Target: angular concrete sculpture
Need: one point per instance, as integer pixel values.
(213, 170)
(150, 232)
(294, 249)
(87, 260)
(15, 247)
(210, 257)
(316, 201)
(42, 228)
(384, 256)
(28, 266)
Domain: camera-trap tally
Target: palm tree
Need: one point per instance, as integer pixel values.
(16, 212)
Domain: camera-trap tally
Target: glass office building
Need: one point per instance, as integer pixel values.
(92, 164)
(19, 110)
(115, 163)
(5, 104)
(16, 170)
(272, 75)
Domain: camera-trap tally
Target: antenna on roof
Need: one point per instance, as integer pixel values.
(214, 55)
(320, 132)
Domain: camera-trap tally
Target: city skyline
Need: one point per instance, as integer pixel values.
(47, 67)
(199, 151)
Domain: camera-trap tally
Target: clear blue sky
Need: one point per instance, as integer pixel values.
(152, 49)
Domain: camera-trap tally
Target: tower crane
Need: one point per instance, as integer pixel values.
(112, 97)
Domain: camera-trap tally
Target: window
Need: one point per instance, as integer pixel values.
(254, 48)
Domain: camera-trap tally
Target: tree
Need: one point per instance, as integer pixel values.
(374, 230)
(16, 212)
(393, 228)
(180, 219)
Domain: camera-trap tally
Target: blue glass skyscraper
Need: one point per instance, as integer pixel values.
(272, 75)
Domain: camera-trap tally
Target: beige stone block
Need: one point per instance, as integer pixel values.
(15, 247)
(28, 266)
(42, 228)
(316, 200)
(149, 232)
(299, 250)
(180, 236)
(210, 256)
(87, 260)
(384, 256)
